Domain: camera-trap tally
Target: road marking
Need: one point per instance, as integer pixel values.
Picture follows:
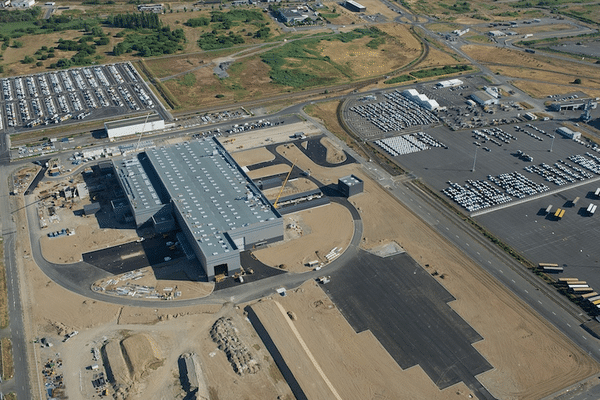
(584, 337)
(568, 325)
(478, 254)
(526, 291)
(539, 302)
(489, 262)
(553, 313)
(467, 244)
(447, 229)
(501, 270)
(456, 235)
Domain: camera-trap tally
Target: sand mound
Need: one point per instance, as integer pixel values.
(130, 360)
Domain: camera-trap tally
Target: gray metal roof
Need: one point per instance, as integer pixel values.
(210, 191)
(136, 183)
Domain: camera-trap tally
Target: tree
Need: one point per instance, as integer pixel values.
(577, 81)
(39, 63)
(17, 44)
(28, 60)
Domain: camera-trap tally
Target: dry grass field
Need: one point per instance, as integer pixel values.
(537, 67)
(540, 89)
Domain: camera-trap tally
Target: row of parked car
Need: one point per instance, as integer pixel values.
(395, 114)
(480, 194)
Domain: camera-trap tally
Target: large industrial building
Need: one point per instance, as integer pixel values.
(132, 126)
(216, 205)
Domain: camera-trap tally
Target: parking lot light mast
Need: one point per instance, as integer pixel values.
(552, 144)
(474, 160)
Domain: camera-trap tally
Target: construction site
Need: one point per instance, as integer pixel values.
(357, 298)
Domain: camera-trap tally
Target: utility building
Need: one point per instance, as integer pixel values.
(131, 126)
(350, 185)
(216, 205)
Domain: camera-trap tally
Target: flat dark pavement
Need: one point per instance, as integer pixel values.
(318, 153)
(405, 308)
(261, 271)
(118, 259)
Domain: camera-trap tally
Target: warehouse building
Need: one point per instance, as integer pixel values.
(354, 6)
(483, 98)
(218, 208)
(350, 185)
(131, 126)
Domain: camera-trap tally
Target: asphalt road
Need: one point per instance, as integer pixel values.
(20, 383)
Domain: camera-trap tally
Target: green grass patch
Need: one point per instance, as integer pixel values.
(329, 16)
(188, 80)
(399, 79)
(375, 43)
(159, 42)
(311, 68)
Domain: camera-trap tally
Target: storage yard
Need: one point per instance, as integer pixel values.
(102, 91)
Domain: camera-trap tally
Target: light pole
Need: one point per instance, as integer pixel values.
(552, 144)
(474, 159)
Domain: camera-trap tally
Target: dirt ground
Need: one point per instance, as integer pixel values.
(253, 156)
(309, 235)
(177, 286)
(335, 154)
(68, 249)
(263, 137)
(271, 170)
(331, 361)
(292, 186)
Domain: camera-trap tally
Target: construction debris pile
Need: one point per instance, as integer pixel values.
(128, 288)
(226, 336)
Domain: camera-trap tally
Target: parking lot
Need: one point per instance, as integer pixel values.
(68, 96)
(521, 177)
(388, 113)
(571, 241)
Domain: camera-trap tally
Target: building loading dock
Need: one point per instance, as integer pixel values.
(219, 209)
